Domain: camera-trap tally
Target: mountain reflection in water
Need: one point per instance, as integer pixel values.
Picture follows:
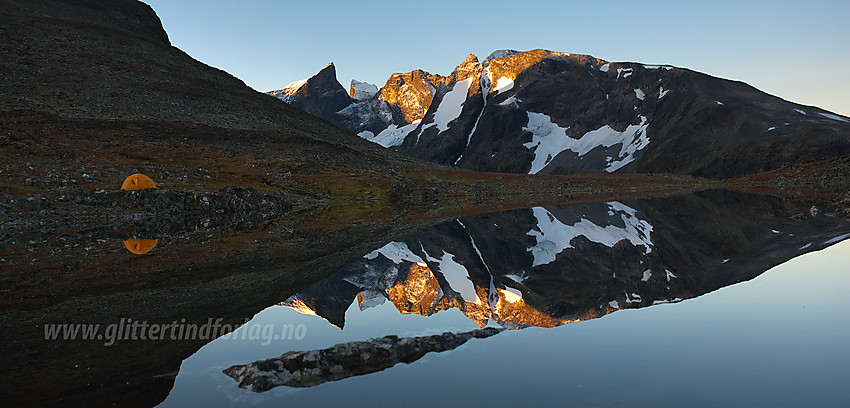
(418, 275)
(548, 266)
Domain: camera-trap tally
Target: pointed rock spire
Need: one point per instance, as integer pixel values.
(469, 67)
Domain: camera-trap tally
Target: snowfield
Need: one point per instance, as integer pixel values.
(553, 237)
(549, 140)
(391, 136)
(451, 104)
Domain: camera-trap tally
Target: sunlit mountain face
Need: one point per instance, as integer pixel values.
(548, 266)
(547, 112)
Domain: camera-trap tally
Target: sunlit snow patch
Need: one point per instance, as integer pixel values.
(553, 237)
(286, 93)
(511, 295)
(662, 92)
(549, 139)
(639, 93)
(503, 84)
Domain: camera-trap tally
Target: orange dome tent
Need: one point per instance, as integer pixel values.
(140, 246)
(138, 181)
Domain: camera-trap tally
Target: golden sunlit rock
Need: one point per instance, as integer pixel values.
(140, 246)
(138, 181)
(418, 294)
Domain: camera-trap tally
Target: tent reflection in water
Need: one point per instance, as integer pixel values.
(138, 181)
(140, 246)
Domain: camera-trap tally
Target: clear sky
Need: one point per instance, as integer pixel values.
(798, 50)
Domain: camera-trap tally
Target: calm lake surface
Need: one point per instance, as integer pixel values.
(693, 301)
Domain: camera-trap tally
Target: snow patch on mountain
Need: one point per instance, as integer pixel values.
(397, 252)
(362, 90)
(833, 117)
(485, 81)
(499, 54)
(299, 306)
(605, 68)
(391, 136)
(517, 278)
(662, 92)
(553, 236)
(451, 105)
(837, 239)
(549, 139)
(513, 100)
(503, 84)
(458, 277)
(639, 93)
(475, 247)
(286, 94)
(511, 295)
(370, 299)
(800, 111)
(626, 72)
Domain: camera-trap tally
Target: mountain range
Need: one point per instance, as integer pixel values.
(549, 112)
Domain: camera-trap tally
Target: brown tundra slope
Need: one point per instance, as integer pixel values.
(256, 199)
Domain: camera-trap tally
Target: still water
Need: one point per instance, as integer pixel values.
(697, 301)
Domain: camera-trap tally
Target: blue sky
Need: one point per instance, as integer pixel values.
(798, 50)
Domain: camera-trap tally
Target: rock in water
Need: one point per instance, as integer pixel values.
(314, 367)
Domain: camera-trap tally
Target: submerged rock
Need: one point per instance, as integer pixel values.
(314, 367)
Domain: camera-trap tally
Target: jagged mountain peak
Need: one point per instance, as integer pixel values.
(321, 94)
(411, 93)
(362, 90)
(471, 59)
(326, 74)
(468, 68)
